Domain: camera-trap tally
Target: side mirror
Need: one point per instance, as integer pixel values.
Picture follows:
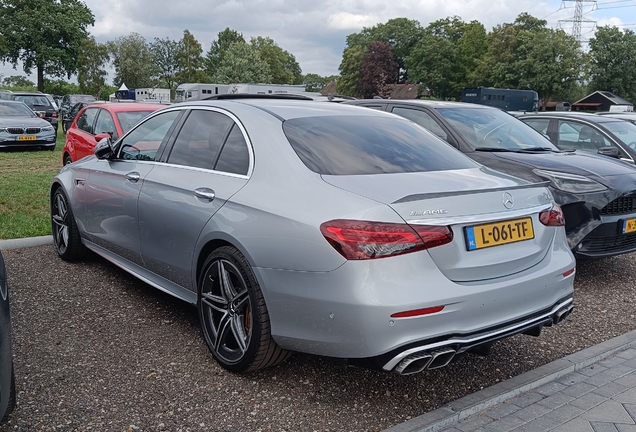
(609, 151)
(101, 136)
(104, 148)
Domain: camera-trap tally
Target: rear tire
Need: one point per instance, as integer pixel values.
(66, 238)
(233, 315)
(67, 160)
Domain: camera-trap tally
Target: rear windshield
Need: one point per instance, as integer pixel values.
(128, 119)
(354, 145)
(34, 101)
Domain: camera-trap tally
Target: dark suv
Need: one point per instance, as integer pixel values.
(67, 105)
(40, 104)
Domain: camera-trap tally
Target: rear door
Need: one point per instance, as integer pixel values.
(208, 162)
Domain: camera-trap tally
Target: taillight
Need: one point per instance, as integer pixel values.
(552, 217)
(360, 240)
(54, 115)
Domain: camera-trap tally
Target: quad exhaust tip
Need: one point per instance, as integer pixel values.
(562, 314)
(419, 361)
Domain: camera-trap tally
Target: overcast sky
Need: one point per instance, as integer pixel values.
(315, 31)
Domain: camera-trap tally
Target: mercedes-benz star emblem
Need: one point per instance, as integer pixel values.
(508, 200)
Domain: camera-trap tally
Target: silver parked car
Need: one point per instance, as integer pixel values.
(325, 229)
(20, 127)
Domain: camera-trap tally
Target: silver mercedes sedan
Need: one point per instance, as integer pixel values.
(313, 227)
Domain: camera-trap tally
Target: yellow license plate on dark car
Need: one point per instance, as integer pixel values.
(629, 226)
(495, 234)
(27, 138)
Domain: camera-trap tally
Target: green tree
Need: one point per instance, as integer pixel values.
(17, 81)
(60, 87)
(91, 71)
(549, 61)
(219, 47)
(464, 43)
(241, 63)
(526, 54)
(612, 61)
(44, 35)
(314, 82)
(283, 67)
(432, 62)
(352, 59)
(401, 33)
(164, 58)
(189, 60)
(132, 60)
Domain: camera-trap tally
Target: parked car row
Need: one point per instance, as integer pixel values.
(329, 229)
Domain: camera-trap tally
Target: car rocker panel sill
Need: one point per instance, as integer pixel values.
(468, 342)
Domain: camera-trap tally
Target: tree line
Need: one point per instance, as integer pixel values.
(51, 38)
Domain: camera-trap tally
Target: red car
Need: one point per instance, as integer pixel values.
(97, 119)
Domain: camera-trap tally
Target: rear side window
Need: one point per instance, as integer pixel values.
(353, 145)
(235, 157)
(200, 139)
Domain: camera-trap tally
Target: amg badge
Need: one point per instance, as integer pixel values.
(429, 212)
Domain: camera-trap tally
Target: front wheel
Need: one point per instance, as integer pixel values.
(233, 314)
(66, 238)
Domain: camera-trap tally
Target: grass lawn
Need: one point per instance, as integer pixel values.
(25, 177)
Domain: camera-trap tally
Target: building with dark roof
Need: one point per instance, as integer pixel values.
(601, 101)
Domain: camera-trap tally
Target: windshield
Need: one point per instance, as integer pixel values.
(624, 131)
(81, 98)
(15, 109)
(128, 119)
(494, 129)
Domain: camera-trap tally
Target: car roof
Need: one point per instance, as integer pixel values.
(286, 108)
(571, 114)
(116, 107)
(423, 102)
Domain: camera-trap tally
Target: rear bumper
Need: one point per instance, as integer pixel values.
(435, 354)
(346, 313)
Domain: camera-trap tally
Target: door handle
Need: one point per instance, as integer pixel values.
(133, 176)
(205, 194)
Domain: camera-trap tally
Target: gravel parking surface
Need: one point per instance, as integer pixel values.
(95, 349)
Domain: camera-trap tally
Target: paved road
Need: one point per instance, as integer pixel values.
(95, 349)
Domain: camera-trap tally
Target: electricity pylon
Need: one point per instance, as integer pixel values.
(578, 16)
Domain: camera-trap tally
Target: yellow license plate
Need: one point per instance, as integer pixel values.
(629, 225)
(27, 138)
(495, 234)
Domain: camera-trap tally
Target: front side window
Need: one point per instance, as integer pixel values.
(200, 139)
(353, 145)
(579, 136)
(105, 124)
(144, 141)
(86, 119)
(423, 119)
